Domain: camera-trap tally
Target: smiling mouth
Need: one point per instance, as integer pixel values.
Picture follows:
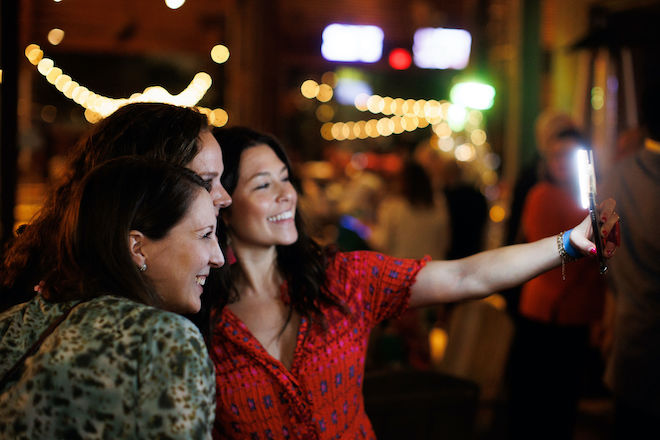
(201, 280)
(279, 217)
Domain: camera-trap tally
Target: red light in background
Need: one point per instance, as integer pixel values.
(400, 59)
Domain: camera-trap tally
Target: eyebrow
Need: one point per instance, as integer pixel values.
(204, 228)
(266, 173)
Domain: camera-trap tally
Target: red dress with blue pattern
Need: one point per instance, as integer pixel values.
(320, 397)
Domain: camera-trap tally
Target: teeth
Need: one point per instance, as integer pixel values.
(200, 280)
(282, 216)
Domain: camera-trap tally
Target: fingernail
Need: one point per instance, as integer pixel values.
(592, 251)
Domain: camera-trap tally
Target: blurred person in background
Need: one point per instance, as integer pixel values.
(634, 358)
(412, 222)
(468, 212)
(546, 128)
(557, 310)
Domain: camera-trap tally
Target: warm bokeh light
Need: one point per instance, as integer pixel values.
(219, 53)
(101, 106)
(174, 4)
(325, 93)
(497, 213)
(361, 102)
(62, 81)
(478, 137)
(329, 78)
(326, 131)
(48, 113)
(437, 344)
(44, 66)
(55, 36)
(309, 89)
(465, 153)
(325, 113)
(446, 144)
(53, 74)
(443, 130)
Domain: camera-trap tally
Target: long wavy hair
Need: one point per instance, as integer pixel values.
(153, 130)
(302, 263)
(120, 195)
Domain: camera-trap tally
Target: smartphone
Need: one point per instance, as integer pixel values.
(587, 180)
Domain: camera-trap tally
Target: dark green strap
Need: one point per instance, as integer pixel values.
(9, 375)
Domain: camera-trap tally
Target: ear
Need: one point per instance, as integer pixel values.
(136, 241)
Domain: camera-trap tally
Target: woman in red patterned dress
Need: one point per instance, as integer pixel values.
(288, 323)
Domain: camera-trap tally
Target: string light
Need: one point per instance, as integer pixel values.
(97, 106)
(455, 130)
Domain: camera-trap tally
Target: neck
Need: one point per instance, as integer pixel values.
(258, 270)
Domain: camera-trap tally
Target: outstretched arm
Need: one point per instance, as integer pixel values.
(481, 274)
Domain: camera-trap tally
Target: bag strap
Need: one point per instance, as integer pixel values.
(9, 375)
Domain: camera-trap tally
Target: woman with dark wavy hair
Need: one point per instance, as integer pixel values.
(101, 351)
(179, 135)
(289, 324)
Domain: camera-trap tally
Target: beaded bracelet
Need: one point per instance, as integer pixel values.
(567, 252)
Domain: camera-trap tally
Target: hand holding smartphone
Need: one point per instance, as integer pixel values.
(587, 180)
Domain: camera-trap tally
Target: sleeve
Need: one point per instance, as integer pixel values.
(176, 381)
(377, 286)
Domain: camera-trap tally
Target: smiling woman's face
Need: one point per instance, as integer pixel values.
(264, 202)
(208, 164)
(179, 263)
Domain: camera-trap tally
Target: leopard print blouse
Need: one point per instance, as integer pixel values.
(114, 369)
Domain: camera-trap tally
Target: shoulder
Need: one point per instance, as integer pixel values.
(148, 329)
(360, 267)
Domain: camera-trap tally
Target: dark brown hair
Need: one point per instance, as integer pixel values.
(120, 195)
(303, 263)
(155, 130)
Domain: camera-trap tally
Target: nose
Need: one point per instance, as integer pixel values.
(287, 192)
(217, 259)
(221, 198)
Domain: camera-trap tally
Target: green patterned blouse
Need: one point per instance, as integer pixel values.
(114, 369)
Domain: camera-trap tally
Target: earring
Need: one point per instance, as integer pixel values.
(143, 267)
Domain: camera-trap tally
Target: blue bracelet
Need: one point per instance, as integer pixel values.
(570, 250)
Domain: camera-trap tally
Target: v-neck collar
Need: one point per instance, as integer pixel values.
(241, 335)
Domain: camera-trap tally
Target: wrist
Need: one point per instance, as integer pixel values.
(568, 247)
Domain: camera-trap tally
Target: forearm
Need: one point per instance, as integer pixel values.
(487, 272)
(484, 273)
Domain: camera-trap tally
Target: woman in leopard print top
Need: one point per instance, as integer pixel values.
(121, 365)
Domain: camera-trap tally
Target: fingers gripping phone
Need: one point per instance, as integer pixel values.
(587, 180)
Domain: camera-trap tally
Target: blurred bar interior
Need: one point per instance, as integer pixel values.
(346, 100)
